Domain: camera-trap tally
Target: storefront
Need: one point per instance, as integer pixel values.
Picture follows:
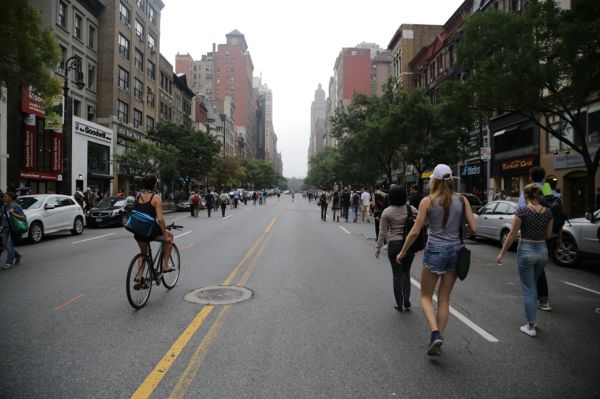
(472, 179)
(92, 149)
(512, 175)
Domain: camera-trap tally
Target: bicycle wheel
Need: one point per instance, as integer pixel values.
(138, 290)
(170, 279)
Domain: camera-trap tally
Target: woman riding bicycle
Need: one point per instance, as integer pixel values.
(151, 204)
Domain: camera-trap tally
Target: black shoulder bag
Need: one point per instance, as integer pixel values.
(421, 240)
(464, 255)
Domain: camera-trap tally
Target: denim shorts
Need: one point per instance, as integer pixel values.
(440, 259)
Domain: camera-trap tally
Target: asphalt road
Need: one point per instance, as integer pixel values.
(320, 324)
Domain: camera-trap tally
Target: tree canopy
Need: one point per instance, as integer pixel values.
(29, 53)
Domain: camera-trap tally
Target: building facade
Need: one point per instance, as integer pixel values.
(318, 122)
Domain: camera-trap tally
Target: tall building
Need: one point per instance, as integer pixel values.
(266, 143)
(129, 48)
(408, 40)
(317, 123)
(165, 84)
(232, 76)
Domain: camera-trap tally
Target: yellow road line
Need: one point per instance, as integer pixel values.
(156, 375)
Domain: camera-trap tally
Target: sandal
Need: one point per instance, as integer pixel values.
(169, 270)
(140, 283)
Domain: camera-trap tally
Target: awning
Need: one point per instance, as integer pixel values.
(101, 176)
(506, 130)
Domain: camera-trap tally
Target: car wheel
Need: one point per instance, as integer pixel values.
(77, 226)
(36, 232)
(568, 254)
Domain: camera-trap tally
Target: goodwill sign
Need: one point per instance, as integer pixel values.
(92, 129)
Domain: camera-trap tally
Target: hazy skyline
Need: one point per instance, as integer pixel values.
(293, 45)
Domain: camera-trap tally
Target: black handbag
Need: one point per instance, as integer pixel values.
(463, 262)
(421, 240)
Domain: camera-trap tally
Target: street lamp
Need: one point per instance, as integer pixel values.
(71, 64)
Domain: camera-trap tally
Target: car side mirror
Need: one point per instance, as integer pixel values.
(49, 206)
(589, 216)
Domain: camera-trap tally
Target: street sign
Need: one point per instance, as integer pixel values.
(486, 153)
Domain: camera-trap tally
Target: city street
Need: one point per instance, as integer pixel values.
(320, 323)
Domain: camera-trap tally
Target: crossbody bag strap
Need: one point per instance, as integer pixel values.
(463, 218)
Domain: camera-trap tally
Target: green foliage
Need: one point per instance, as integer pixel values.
(28, 52)
(544, 63)
(260, 174)
(227, 172)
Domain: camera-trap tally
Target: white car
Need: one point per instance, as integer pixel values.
(581, 239)
(51, 213)
(495, 219)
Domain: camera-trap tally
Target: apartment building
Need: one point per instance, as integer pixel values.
(129, 51)
(165, 95)
(317, 123)
(182, 101)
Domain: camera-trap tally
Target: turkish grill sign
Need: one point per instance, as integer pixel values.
(517, 164)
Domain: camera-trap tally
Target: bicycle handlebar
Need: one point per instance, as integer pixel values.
(173, 226)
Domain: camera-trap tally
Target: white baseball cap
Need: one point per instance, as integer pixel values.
(442, 172)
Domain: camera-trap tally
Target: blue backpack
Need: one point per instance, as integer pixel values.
(141, 224)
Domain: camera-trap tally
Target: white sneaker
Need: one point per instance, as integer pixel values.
(545, 306)
(529, 331)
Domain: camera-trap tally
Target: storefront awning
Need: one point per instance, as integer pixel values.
(101, 176)
(506, 130)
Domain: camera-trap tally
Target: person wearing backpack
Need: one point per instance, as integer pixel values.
(208, 197)
(194, 203)
(549, 199)
(355, 205)
(223, 198)
(380, 203)
(8, 210)
(323, 202)
(393, 221)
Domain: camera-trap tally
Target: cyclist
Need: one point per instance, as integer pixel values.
(151, 204)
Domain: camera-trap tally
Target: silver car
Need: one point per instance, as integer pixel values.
(51, 213)
(495, 219)
(581, 239)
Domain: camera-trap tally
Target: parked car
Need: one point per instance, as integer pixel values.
(475, 202)
(51, 213)
(110, 211)
(495, 219)
(184, 206)
(581, 239)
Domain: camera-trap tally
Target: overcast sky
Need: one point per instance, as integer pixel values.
(294, 44)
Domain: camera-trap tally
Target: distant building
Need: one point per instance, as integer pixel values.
(317, 123)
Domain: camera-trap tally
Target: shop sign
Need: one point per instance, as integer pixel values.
(28, 147)
(517, 164)
(32, 102)
(54, 114)
(57, 164)
(38, 176)
(91, 129)
(575, 160)
(471, 170)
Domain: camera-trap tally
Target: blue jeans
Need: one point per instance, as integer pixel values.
(401, 273)
(354, 212)
(9, 246)
(531, 260)
(440, 259)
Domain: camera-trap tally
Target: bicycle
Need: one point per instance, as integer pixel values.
(141, 279)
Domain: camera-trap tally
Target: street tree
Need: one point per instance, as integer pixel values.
(324, 166)
(543, 65)
(260, 173)
(29, 53)
(226, 172)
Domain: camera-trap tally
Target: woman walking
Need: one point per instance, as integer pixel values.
(535, 223)
(8, 210)
(393, 220)
(335, 206)
(443, 210)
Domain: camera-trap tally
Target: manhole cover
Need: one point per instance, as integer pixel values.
(218, 295)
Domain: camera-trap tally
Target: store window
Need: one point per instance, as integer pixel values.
(98, 158)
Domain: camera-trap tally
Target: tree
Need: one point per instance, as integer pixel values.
(227, 172)
(322, 172)
(543, 65)
(29, 53)
(259, 173)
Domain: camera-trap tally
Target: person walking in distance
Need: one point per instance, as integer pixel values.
(8, 210)
(393, 220)
(335, 206)
(346, 202)
(534, 221)
(365, 202)
(224, 197)
(379, 205)
(208, 197)
(550, 199)
(355, 204)
(443, 210)
(415, 196)
(323, 202)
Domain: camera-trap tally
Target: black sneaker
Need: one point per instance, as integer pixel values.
(435, 345)
(407, 305)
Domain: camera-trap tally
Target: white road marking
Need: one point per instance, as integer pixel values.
(183, 217)
(93, 238)
(227, 217)
(580, 287)
(463, 318)
(347, 232)
(181, 235)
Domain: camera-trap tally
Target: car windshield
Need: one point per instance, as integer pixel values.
(30, 202)
(112, 201)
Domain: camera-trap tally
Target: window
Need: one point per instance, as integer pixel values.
(123, 79)
(139, 30)
(137, 118)
(62, 14)
(91, 37)
(138, 89)
(91, 77)
(98, 158)
(503, 209)
(151, 42)
(149, 123)
(122, 111)
(150, 97)
(152, 14)
(124, 15)
(151, 70)
(123, 46)
(141, 3)
(77, 26)
(76, 107)
(63, 59)
(139, 59)
(91, 113)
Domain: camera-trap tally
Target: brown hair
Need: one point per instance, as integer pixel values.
(444, 190)
(532, 192)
